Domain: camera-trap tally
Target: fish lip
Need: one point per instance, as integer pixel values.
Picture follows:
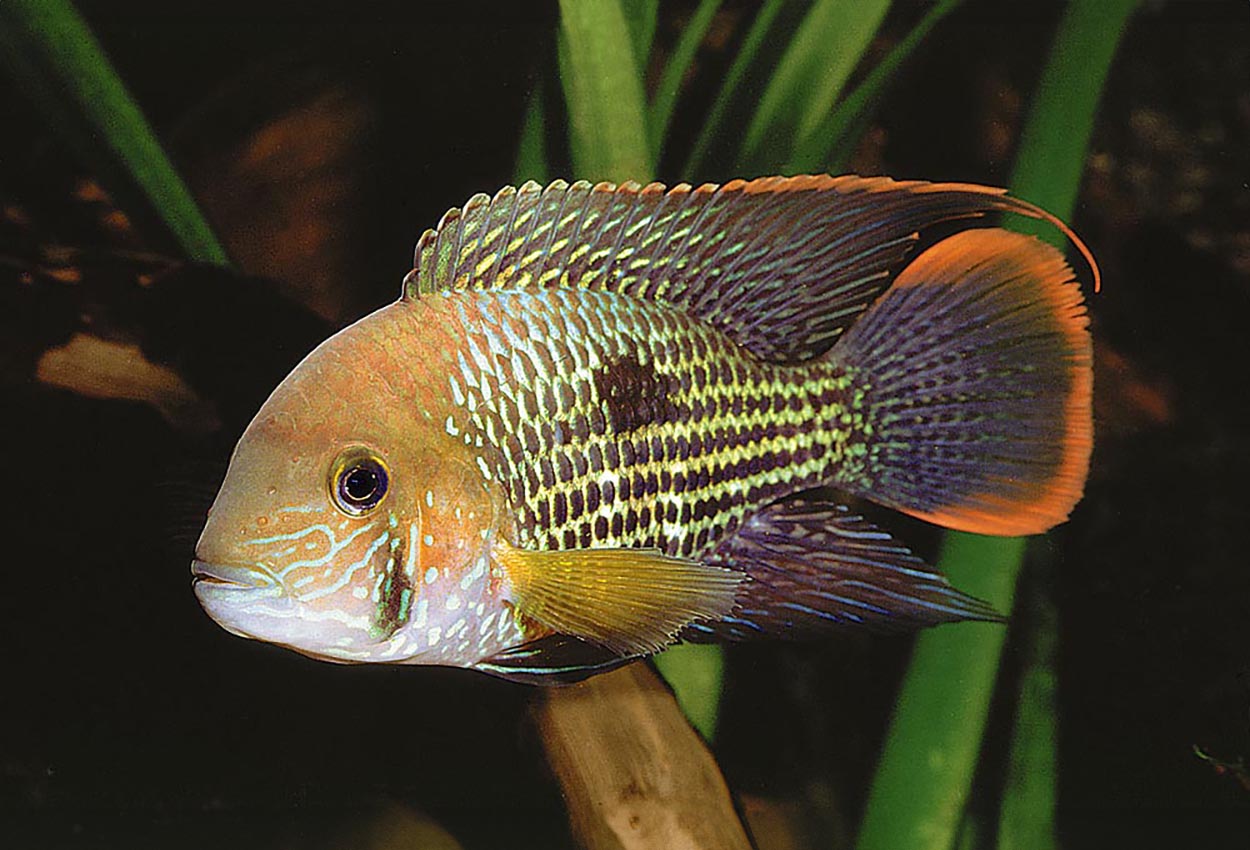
(230, 575)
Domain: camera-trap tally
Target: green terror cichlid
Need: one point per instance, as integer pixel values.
(597, 418)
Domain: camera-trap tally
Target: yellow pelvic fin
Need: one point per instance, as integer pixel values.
(631, 601)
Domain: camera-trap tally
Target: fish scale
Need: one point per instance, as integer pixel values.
(586, 467)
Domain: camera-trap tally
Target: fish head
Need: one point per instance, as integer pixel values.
(337, 508)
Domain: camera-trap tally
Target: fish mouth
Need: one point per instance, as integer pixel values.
(229, 576)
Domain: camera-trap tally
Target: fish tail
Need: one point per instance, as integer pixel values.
(977, 374)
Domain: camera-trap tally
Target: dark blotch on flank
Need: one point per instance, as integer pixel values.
(634, 394)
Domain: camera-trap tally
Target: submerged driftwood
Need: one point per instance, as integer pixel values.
(635, 775)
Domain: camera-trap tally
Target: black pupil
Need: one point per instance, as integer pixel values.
(363, 484)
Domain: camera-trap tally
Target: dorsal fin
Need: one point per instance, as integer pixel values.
(781, 264)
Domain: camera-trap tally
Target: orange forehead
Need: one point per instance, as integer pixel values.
(346, 383)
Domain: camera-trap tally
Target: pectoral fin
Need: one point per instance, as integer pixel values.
(631, 601)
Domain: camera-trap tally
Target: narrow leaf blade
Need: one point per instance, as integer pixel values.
(695, 672)
(1052, 146)
(1048, 171)
(922, 781)
(531, 159)
(48, 47)
(713, 125)
(830, 142)
(944, 701)
(607, 122)
(641, 16)
(665, 97)
(810, 75)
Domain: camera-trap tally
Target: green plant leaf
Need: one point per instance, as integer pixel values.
(1027, 820)
(828, 146)
(48, 48)
(1052, 145)
(923, 779)
(713, 125)
(695, 672)
(665, 97)
(808, 78)
(607, 123)
(640, 17)
(531, 158)
(1048, 172)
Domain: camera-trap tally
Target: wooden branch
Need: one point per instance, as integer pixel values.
(635, 775)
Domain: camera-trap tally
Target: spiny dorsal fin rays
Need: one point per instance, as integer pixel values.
(783, 265)
(631, 601)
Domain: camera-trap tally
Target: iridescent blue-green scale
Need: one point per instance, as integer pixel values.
(615, 422)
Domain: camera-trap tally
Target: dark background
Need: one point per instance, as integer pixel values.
(320, 142)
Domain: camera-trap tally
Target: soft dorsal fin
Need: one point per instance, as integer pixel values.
(781, 264)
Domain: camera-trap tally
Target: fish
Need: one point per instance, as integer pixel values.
(602, 419)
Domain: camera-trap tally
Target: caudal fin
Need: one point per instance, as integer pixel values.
(978, 366)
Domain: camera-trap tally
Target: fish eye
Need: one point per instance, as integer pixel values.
(358, 481)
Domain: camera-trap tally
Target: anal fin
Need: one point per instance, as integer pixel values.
(816, 566)
(630, 601)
